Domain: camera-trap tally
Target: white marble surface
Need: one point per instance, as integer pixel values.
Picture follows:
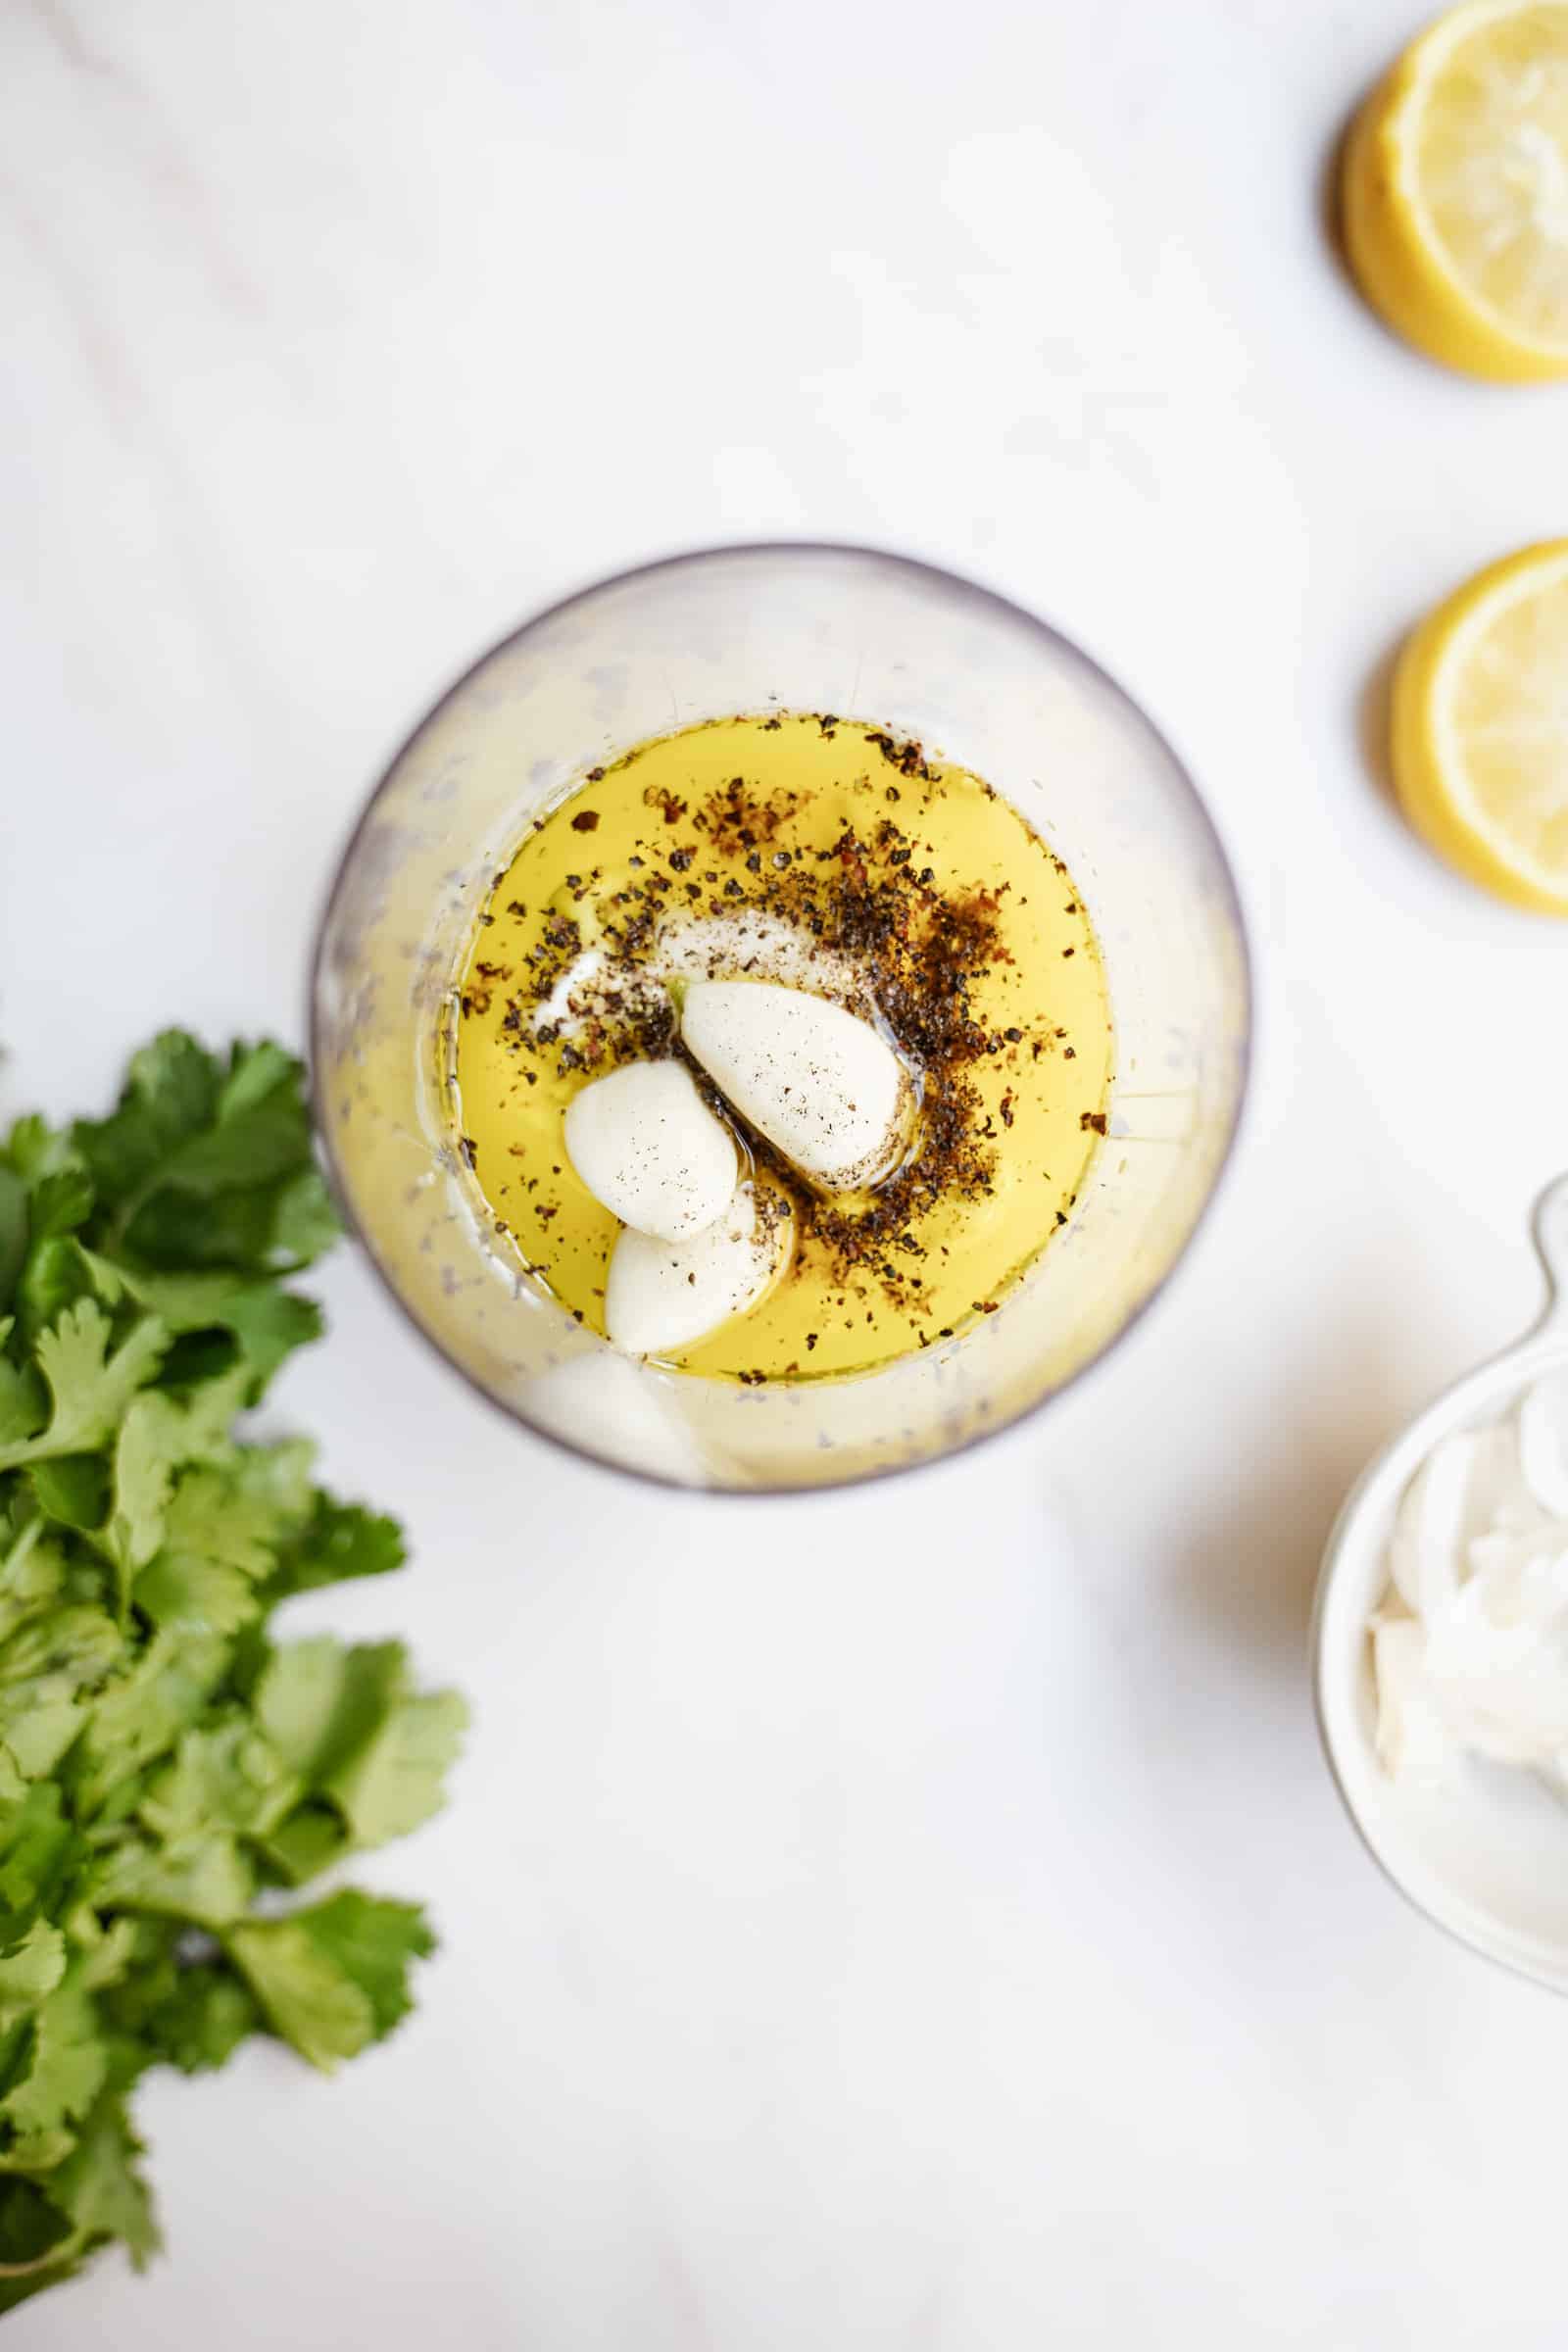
(918, 1919)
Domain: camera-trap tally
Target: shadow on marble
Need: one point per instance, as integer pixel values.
(1250, 1569)
(1374, 720)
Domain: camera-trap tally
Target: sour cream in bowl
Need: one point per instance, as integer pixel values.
(1440, 1646)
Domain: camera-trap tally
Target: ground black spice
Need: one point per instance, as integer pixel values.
(920, 950)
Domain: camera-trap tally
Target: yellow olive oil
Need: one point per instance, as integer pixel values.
(825, 853)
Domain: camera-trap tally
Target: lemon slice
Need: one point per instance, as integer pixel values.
(1455, 191)
(1481, 729)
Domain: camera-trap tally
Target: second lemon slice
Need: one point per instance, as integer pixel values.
(1455, 189)
(1481, 729)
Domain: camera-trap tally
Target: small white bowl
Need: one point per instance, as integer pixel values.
(1486, 1857)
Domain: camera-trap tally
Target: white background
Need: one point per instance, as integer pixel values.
(916, 1919)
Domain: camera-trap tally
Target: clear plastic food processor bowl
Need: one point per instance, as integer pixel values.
(743, 629)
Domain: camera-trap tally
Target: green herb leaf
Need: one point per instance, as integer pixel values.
(31, 1970)
(46, 1668)
(15, 1232)
(343, 1539)
(306, 1995)
(74, 1489)
(320, 1701)
(347, 1722)
(169, 1096)
(41, 1855)
(141, 1714)
(395, 1780)
(34, 2232)
(373, 1940)
(305, 1221)
(312, 1839)
(59, 1274)
(207, 1880)
(183, 1593)
(61, 1202)
(225, 1776)
(91, 1381)
(163, 1761)
(24, 1399)
(101, 2188)
(66, 2069)
(204, 2015)
(260, 1324)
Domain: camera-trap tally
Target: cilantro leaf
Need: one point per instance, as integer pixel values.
(150, 1447)
(264, 1323)
(74, 1489)
(34, 2153)
(235, 1228)
(181, 1592)
(66, 2067)
(181, 2000)
(342, 1539)
(15, 1232)
(169, 1096)
(347, 1722)
(372, 1940)
(321, 1701)
(306, 1222)
(58, 1275)
(91, 1382)
(261, 1132)
(158, 1436)
(34, 1150)
(31, 1970)
(395, 1780)
(269, 1325)
(140, 1714)
(313, 1838)
(204, 1166)
(163, 1761)
(61, 1202)
(46, 1667)
(307, 1996)
(224, 1776)
(36, 2234)
(220, 1515)
(29, 1145)
(100, 2187)
(42, 1854)
(204, 2016)
(221, 1533)
(32, 1576)
(24, 1399)
(204, 1879)
(278, 1475)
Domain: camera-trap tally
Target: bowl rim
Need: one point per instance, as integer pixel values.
(1543, 1347)
(785, 551)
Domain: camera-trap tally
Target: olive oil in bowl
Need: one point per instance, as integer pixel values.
(824, 853)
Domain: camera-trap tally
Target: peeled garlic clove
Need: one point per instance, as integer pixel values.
(650, 1151)
(662, 1296)
(817, 1080)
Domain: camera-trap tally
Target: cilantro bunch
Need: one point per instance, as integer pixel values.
(170, 1773)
